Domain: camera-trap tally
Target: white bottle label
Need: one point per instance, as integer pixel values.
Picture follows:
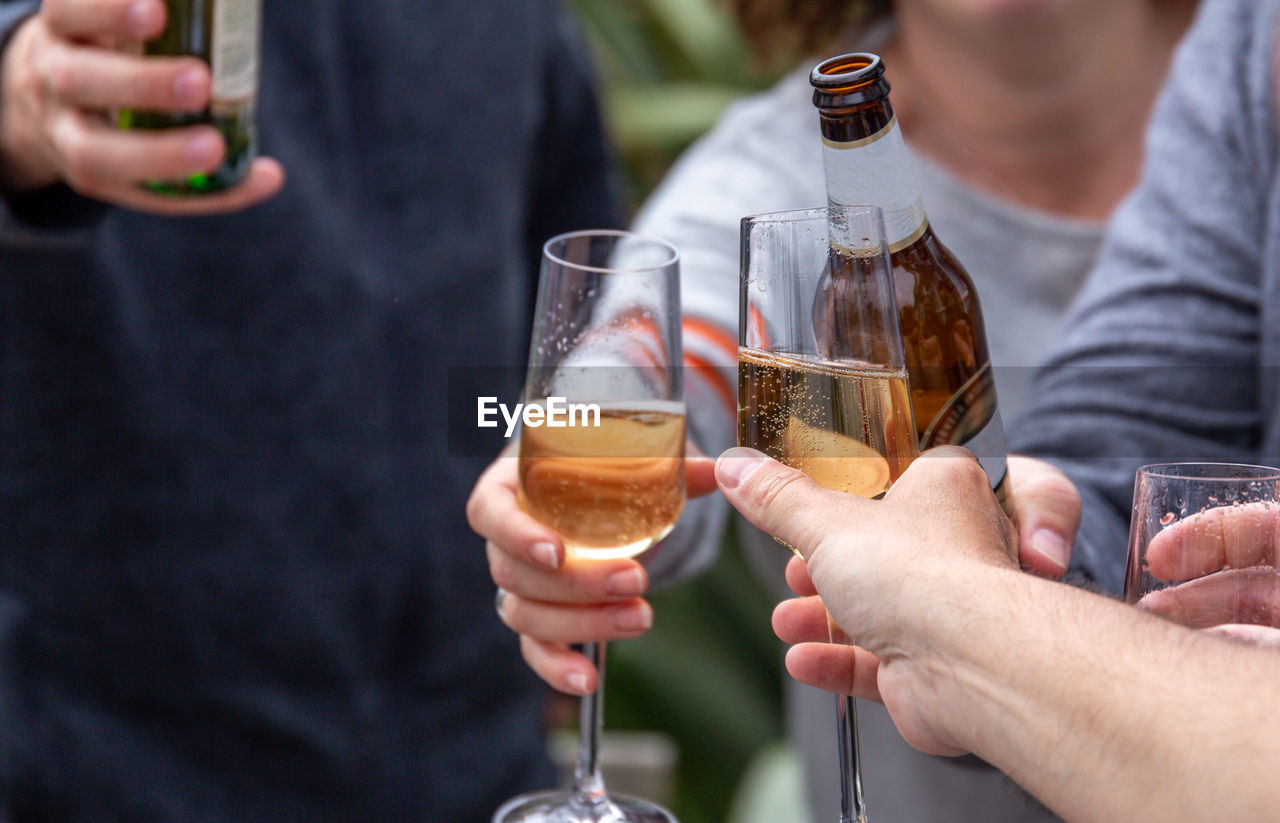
(877, 171)
(237, 26)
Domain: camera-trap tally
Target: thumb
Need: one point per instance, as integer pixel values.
(778, 499)
(1046, 510)
(699, 471)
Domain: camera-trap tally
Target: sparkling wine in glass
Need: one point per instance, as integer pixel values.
(604, 363)
(822, 381)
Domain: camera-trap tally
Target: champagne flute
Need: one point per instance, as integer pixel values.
(606, 352)
(822, 380)
(1203, 545)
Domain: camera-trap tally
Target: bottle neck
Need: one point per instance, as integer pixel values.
(873, 168)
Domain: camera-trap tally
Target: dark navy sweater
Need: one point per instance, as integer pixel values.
(237, 577)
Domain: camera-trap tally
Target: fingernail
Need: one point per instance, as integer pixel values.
(142, 18)
(202, 150)
(736, 464)
(188, 86)
(1050, 545)
(626, 583)
(544, 554)
(637, 618)
(578, 682)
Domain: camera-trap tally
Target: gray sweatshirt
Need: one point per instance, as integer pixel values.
(1170, 351)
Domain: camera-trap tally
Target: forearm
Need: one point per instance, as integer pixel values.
(1105, 713)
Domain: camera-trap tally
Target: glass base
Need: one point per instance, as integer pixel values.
(559, 807)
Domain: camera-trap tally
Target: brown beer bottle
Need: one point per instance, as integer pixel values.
(953, 391)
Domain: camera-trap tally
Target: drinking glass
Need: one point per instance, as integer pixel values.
(1203, 544)
(606, 337)
(822, 380)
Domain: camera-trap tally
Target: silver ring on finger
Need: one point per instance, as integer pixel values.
(499, 598)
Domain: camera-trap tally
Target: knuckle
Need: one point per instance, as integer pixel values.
(61, 77)
(52, 13)
(474, 508)
(54, 70)
(142, 86)
(77, 161)
(580, 590)
(972, 472)
(532, 654)
(151, 84)
(1064, 489)
(824, 548)
(502, 569)
(512, 613)
(28, 91)
(773, 488)
(959, 466)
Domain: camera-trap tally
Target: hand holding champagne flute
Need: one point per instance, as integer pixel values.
(822, 381)
(609, 480)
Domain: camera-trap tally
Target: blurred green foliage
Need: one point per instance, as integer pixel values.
(668, 68)
(709, 674)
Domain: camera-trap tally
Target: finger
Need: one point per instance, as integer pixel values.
(96, 78)
(494, 512)
(798, 577)
(781, 500)
(838, 669)
(98, 157)
(84, 19)
(554, 623)
(801, 620)
(562, 668)
(264, 181)
(699, 475)
(581, 581)
(1046, 512)
(1230, 596)
(1224, 536)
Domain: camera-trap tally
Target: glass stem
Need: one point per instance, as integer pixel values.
(588, 786)
(852, 809)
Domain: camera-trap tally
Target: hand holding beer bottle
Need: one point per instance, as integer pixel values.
(63, 76)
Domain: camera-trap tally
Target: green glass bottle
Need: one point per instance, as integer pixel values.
(227, 35)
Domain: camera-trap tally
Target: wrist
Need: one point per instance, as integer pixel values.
(938, 611)
(964, 646)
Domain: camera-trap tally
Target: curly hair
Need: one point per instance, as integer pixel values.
(773, 26)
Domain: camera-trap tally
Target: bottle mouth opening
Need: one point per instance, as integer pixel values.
(847, 71)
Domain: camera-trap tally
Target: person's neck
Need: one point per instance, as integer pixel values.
(1048, 110)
